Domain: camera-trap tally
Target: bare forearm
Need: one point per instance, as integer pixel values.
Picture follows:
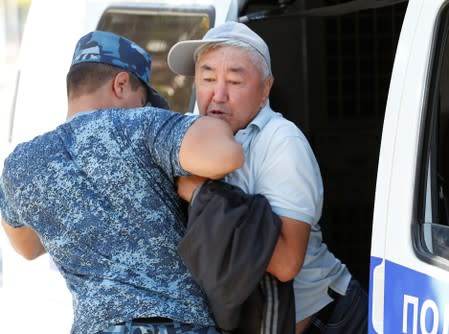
(289, 253)
(209, 149)
(25, 241)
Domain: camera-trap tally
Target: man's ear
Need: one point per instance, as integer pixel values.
(120, 84)
(267, 84)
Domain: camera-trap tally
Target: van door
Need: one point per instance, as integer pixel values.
(409, 278)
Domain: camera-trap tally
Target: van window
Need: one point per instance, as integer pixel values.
(157, 29)
(431, 230)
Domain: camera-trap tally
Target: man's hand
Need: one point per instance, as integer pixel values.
(188, 184)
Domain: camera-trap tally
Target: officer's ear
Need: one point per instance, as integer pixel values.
(120, 84)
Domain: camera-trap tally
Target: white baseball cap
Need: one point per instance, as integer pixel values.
(181, 55)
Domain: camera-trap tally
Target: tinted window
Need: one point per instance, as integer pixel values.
(156, 30)
(432, 227)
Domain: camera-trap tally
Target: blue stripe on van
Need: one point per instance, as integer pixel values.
(414, 302)
(375, 261)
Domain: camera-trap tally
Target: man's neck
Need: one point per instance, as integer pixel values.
(86, 103)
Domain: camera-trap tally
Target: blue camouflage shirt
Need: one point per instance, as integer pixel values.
(99, 191)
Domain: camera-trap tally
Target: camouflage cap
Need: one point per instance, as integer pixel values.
(108, 48)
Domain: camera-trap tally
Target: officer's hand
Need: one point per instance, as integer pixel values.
(188, 184)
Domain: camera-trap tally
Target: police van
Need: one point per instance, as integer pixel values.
(366, 80)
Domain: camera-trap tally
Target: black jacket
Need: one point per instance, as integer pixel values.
(228, 244)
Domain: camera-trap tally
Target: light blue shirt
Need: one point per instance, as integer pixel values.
(99, 191)
(280, 164)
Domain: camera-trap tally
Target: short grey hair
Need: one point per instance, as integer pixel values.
(256, 57)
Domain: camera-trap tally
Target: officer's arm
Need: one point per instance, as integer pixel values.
(209, 149)
(25, 241)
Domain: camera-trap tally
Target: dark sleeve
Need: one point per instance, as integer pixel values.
(227, 246)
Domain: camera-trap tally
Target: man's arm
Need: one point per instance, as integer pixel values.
(288, 255)
(209, 149)
(25, 241)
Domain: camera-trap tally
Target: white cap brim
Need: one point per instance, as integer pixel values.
(180, 58)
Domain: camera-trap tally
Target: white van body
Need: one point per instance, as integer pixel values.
(407, 272)
(407, 294)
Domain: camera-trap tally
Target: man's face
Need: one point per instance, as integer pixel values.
(230, 86)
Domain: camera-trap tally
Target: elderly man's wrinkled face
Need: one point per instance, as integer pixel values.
(230, 86)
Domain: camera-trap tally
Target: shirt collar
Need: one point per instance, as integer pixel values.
(261, 119)
(78, 114)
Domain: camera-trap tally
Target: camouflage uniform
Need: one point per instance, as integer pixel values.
(131, 327)
(99, 191)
